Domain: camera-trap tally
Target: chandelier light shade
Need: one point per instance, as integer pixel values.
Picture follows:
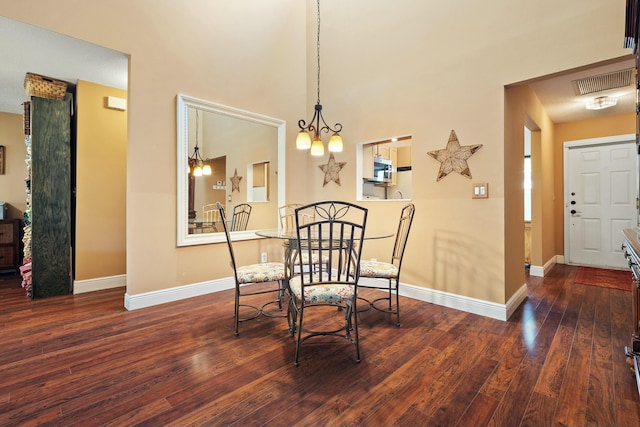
(601, 102)
(197, 164)
(317, 124)
(317, 147)
(303, 141)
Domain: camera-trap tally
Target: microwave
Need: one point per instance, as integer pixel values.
(382, 170)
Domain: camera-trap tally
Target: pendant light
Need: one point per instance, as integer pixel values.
(196, 163)
(317, 125)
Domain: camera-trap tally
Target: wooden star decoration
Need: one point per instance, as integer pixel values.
(332, 170)
(235, 181)
(454, 157)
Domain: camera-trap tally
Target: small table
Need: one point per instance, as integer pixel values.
(291, 237)
(275, 233)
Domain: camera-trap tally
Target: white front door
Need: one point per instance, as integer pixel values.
(600, 199)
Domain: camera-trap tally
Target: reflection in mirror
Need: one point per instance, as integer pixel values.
(215, 142)
(384, 169)
(258, 182)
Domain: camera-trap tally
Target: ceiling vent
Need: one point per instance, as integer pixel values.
(602, 82)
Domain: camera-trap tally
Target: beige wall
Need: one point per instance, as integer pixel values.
(389, 68)
(12, 185)
(100, 183)
(522, 108)
(594, 128)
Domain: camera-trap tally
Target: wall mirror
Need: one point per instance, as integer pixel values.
(229, 156)
(384, 169)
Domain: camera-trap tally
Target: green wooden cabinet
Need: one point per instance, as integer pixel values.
(51, 191)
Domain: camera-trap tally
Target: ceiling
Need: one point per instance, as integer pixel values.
(558, 95)
(25, 48)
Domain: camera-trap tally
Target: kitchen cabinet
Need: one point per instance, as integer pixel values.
(393, 156)
(367, 162)
(404, 157)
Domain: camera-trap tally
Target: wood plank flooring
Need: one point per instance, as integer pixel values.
(85, 361)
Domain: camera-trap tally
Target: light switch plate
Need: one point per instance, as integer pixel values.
(480, 191)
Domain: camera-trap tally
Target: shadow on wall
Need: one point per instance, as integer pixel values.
(457, 267)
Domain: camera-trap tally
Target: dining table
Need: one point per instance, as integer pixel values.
(290, 244)
(198, 226)
(290, 239)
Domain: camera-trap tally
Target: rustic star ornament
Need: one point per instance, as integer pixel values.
(235, 181)
(332, 170)
(454, 157)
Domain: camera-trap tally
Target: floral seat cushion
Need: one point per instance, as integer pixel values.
(315, 258)
(378, 269)
(265, 272)
(322, 294)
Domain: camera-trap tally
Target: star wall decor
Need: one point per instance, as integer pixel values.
(235, 181)
(332, 170)
(454, 157)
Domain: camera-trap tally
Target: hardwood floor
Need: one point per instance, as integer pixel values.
(84, 360)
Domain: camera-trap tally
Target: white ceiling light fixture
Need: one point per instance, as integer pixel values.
(601, 102)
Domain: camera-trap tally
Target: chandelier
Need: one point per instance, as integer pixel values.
(317, 125)
(196, 162)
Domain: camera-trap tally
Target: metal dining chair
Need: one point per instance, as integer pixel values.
(287, 215)
(210, 217)
(240, 217)
(253, 274)
(389, 271)
(336, 233)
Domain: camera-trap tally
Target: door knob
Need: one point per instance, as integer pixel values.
(573, 202)
(573, 211)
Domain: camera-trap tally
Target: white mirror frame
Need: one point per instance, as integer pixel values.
(183, 104)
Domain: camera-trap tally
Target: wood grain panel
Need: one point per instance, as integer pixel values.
(50, 197)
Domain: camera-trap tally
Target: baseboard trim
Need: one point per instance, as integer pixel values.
(467, 304)
(98, 284)
(148, 299)
(445, 299)
(542, 271)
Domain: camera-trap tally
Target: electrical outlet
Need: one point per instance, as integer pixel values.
(263, 257)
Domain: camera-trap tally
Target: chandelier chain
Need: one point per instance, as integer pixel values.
(318, 50)
(197, 126)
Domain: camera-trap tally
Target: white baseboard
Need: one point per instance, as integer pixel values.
(445, 299)
(467, 304)
(541, 271)
(90, 285)
(148, 299)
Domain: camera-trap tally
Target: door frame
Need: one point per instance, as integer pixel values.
(581, 143)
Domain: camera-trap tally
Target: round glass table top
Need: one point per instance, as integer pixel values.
(275, 233)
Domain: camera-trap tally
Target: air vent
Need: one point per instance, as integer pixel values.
(602, 82)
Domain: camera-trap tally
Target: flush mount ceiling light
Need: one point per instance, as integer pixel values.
(304, 141)
(196, 162)
(601, 102)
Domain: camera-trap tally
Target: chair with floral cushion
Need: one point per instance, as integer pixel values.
(336, 233)
(389, 272)
(254, 274)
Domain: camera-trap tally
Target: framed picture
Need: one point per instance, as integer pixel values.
(1, 159)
